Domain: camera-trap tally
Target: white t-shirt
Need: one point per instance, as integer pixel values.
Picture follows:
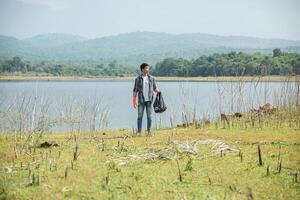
(146, 88)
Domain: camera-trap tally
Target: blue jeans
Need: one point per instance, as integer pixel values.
(141, 108)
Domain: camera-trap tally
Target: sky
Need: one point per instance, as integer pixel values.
(98, 18)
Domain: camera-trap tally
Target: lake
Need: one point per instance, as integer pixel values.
(94, 105)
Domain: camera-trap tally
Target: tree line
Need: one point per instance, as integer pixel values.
(225, 64)
(232, 64)
(18, 65)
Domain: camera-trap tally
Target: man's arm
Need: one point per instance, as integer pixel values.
(134, 101)
(134, 94)
(155, 88)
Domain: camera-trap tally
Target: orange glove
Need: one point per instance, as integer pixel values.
(134, 102)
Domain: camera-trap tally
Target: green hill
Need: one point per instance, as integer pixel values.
(135, 47)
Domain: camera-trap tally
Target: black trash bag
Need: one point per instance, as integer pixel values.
(159, 104)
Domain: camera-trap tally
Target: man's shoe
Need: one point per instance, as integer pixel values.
(149, 134)
(138, 134)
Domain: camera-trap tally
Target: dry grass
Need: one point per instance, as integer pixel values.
(235, 175)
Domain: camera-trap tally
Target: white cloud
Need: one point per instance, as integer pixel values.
(53, 4)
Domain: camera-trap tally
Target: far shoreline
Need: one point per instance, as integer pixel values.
(158, 78)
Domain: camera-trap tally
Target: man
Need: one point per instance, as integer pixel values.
(144, 87)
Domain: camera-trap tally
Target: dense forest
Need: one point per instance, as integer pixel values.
(232, 64)
(18, 66)
(225, 64)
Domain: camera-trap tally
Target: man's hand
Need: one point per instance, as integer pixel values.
(134, 102)
(157, 90)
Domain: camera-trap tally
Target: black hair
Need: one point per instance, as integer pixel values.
(143, 65)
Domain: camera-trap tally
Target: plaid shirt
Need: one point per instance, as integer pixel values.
(138, 88)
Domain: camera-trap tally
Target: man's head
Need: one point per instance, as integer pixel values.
(145, 68)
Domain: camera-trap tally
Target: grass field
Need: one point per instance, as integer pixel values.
(179, 163)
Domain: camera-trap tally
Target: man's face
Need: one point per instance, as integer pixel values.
(146, 70)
